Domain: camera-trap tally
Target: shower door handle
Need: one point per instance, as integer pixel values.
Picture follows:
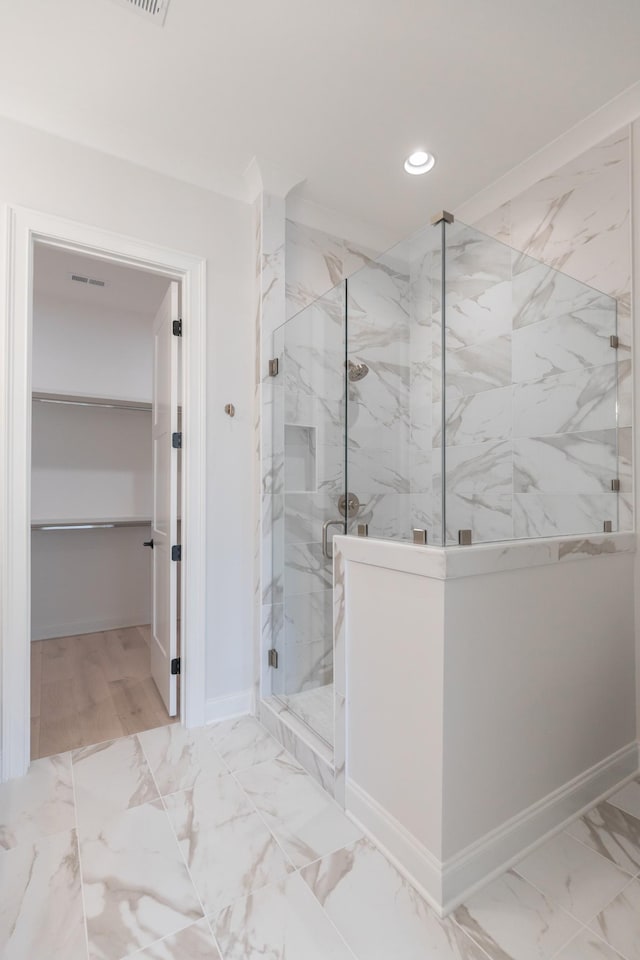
(325, 536)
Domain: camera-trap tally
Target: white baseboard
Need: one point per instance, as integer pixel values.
(446, 885)
(422, 869)
(78, 627)
(225, 708)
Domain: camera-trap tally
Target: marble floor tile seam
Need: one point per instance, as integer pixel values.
(213, 918)
(501, 955)
(598, 936)
(82, 889)
(574, 936)
(184, 859)
(566, 909)
(151, 946)
(635, 875)
(263, 821)
(171, 793)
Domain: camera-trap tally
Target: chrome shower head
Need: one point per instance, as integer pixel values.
(356, 370)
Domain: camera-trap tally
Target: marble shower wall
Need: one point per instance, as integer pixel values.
(563, 374)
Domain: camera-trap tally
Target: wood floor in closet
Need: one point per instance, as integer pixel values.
(91, 688)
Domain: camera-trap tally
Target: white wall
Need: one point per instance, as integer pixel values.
(539, 686)
(61, 178)
(85, 581)
(90, 463)
(90, 350)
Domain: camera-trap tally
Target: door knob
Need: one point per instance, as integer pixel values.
(148, 543)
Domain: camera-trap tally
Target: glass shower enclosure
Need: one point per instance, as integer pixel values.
(453, 389)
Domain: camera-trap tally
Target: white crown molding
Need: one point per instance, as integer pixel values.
(618, 113)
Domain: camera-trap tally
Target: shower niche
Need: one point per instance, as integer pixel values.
(299, 458)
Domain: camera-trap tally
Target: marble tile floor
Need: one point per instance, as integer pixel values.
(214, 844)
(315, 708)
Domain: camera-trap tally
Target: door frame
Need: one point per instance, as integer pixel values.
(22, 229)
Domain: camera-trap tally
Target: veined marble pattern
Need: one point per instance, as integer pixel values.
(135, 882)
(570, 463)
(567, 403)
(378, 913)
(263, 865)
(304, 820)
(559, 515)
(576, 219)
(40, 900)
(576, 339)
(228, 849)
(570, 234)
(574, 875)
(618, 922)
(317, 261)
(38, 804)
(279, 923)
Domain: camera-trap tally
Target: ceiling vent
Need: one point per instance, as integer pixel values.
(155, 10)
(90, 281)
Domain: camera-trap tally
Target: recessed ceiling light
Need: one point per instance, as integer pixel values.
(419, 162)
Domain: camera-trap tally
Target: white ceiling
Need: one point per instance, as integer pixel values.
(126, 290)
(335, 92)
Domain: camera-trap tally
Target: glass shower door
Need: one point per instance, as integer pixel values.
(309, 427)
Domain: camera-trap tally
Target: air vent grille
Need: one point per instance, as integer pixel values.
(90, 281)
(155, 10)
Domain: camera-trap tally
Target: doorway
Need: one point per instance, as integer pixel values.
(27, 233)
(104, 618)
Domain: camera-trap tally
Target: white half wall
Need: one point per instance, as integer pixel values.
(490, 696)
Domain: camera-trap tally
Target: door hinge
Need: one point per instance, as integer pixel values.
(177, 328)
(176, 552)
(274, 367)
(272, 658)
(615, 485)
(176, 441)
(614, 341)
(175, 666)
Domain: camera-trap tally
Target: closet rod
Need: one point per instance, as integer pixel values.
(97, 525)
(91, 402)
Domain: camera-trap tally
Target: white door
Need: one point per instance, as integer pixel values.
(165, 500)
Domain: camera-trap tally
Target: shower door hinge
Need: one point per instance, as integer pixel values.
(175, 666)
(274, 367)
(272, 658)
(176, 441)
(420, 536)
(607, 526)
(176, 552)
(614, 341)
(177, 328)
(465, 538)
(615, 485)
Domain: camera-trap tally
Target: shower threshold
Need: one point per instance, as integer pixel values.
(315, 708)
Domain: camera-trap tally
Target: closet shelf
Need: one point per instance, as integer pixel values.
(90, 401)
(90, 524)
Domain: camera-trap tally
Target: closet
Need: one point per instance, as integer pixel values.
(91, 501)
